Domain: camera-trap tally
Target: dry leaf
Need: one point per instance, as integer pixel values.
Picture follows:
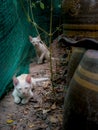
(53, 119)
(45, 111)
(25, 112)
(9, 116)
(60, 117)
(46, 85)
(31, 125)
(53, 106)
(20, 120)
(14, 127)
(36, 106)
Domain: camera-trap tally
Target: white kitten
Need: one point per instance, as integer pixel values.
(41, 49)
(23, 86)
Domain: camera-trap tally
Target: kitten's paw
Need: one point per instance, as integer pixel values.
(25, 101)
(17, 100)
(40, 62)
(31, 95)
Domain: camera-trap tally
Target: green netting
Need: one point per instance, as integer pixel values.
(15, 48)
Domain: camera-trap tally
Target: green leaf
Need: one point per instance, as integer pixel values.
(9, 121)
(42, 5)
(33, 5)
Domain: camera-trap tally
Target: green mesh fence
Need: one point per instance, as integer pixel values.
(15, 48)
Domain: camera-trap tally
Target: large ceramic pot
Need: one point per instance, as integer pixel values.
(74, 61)
(81, 100)
(80, 17)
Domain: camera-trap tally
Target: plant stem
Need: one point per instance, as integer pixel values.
(50, 41)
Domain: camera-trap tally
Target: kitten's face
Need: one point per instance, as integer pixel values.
(35, 41)
(22, 85)
(23, 88)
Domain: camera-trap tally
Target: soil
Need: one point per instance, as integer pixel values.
(45, 110)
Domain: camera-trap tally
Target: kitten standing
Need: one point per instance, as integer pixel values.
(23, 86)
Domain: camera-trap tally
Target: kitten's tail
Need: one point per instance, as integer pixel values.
(54, 58)
(40, 79)
(57, 59)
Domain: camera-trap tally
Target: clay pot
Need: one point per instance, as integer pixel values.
(81, 100)
(80, 17)
(75, 59)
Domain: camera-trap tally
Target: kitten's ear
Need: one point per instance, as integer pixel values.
(15, 81)
(39, 37)
(30, 38)
(28, 78)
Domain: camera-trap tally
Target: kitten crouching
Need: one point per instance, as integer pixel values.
(23, 86)
(22, 89)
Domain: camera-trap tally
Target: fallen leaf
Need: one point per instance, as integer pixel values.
(9, 121)
(45, 111)
(25, 112)
(20, 120)
(14, 127)
(53, 106)
(10, 114)
(53, 119)
(31, 125)
(36, 106)
(60, 117)
(46, 85)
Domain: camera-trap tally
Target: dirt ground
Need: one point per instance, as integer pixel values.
(45, 110)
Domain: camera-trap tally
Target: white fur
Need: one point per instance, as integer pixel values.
(23, 86)
(41, 49)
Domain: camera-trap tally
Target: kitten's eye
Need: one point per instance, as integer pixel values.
(19, 88)
(33, 42)
(26, 87)
(41, 42)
